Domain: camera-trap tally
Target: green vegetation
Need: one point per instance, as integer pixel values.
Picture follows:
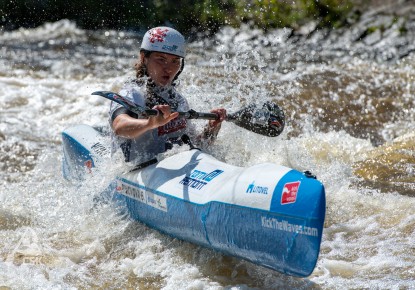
(187, 15)
(277, 13)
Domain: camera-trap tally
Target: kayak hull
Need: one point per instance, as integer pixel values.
(268, 214)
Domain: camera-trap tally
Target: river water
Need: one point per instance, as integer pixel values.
(350, 120)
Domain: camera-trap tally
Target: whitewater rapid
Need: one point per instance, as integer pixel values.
(350, 121)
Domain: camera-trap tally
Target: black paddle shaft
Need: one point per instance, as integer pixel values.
(191, 114)
(269, 120)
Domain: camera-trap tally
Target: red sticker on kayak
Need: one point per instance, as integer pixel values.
(119, 186)
(88, 165)
(289, 192)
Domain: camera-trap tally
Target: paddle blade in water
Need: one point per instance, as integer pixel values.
(268, 120)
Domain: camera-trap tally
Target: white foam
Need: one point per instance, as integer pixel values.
(367, 233)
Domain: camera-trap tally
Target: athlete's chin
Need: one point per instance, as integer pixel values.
(164, 83)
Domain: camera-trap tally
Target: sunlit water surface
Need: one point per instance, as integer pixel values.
(350, 121)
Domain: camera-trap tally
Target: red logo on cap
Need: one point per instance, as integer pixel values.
(157, 34)
(289, 192)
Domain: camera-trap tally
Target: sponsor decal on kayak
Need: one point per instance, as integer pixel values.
(143, 196)
(252, 188)
(284, 225)
(289, 192)
(118, 187)
(99, 149)
(198, 179)
(88, 165)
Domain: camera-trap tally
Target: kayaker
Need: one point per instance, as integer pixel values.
(161, 61)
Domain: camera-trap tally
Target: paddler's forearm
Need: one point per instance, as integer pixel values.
(130, 128)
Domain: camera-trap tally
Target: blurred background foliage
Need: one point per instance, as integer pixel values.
(188, 16)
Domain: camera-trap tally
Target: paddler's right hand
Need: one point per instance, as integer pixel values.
(131, 128)
(165, 115)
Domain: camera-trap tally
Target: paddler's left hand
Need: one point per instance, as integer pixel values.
(212, 129)
(221, 112)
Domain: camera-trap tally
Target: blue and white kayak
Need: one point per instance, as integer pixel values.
(268, 214)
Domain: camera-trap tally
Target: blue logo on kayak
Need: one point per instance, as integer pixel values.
(252, 188)
(198, 179)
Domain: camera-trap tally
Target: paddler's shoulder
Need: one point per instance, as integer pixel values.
(134, 90)
(134, 83)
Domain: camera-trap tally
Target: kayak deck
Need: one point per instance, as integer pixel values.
(268, 214)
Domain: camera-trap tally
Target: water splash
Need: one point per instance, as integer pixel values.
(340, 107)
